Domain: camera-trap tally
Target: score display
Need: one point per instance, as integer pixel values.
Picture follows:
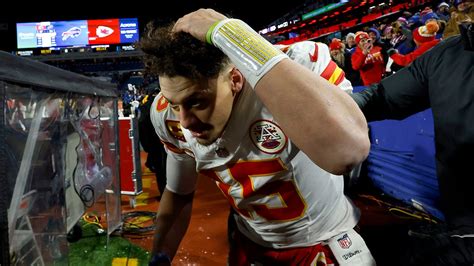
(76, 33)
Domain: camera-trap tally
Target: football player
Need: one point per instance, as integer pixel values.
(274, 134)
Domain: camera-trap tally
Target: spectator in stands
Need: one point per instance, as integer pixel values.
(377, 40)
(387, 33)
(217, 114)
(401, 37)
(441, 79)
(388, 36)
(403, 21)
(337, 48)
(424, 38)
(350, 42)
(443, 11)
(374, 34)
(442, 25)
(414, 21)
(367, 59)
(342, 57)
(463, 13)
(427, 15)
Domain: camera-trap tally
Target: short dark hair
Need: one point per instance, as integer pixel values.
(173, 54)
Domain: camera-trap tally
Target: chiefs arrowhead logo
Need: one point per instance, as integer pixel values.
(267, 136)
(103, 31)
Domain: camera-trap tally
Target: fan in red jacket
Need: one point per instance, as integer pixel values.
(424, 38)
(368, 59)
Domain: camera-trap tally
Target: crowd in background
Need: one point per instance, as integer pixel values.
(382, 48)
(366, 54)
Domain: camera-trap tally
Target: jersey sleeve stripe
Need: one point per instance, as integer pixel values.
(329, 70)
(336, 75)
(341, 78)
(333, 73)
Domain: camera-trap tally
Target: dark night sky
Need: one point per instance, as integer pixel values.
(257, 17)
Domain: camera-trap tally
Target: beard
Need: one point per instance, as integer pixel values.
(339, 59)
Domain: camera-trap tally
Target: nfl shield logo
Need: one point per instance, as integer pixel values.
(345, 242)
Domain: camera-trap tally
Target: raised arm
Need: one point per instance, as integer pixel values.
(320, 119)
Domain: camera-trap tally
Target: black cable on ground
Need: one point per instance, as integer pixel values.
(139, 222)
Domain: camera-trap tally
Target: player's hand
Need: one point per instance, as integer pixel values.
(197, 23)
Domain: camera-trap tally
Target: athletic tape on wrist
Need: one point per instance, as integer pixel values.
(251, 53)
(209, 32)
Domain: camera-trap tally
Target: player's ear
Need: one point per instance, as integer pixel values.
(237, 80)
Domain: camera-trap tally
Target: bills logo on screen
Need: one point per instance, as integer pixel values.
(345, 242)
(73, 32)
(267, 136)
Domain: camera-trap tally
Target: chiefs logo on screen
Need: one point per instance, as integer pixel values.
(103, 31)
(267, 136)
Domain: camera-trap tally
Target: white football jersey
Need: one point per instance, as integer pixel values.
(283, 198)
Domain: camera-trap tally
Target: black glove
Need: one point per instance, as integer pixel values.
(392, 51)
